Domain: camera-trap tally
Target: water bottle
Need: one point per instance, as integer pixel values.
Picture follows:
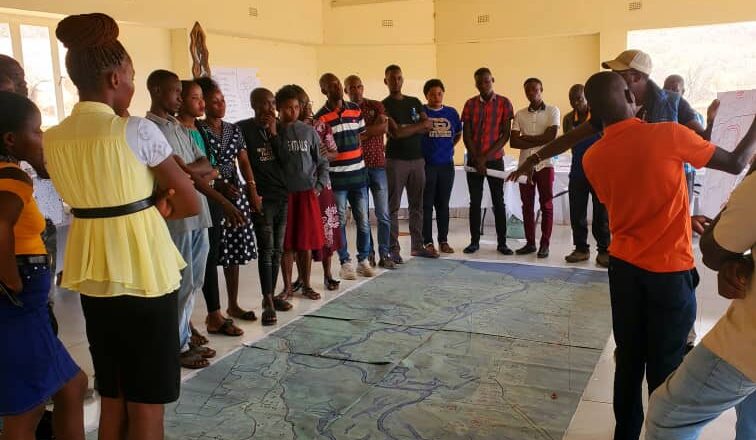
(415, 117)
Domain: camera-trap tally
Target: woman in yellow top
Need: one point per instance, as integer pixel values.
(35, 366)
(119, 254)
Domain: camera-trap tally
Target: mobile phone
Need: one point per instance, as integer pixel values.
(5, 291)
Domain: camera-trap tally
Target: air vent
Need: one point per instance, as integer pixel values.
(484, 18)
(387, 23)
(634, 6)
(252, 12)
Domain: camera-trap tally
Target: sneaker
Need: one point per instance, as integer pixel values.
(364, 269)
(543, 252)
(387, 263)
(504, 249)
(471, 248)
(445, 248)
(602, 259)
(577, 256)
(347, 271)
(525, 250)
(396, 258)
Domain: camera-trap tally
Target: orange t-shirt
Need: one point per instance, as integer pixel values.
(30, 224)
(636, 169)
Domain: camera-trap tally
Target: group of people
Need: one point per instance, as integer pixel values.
(160, 202)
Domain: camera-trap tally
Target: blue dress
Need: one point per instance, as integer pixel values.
(34, 364)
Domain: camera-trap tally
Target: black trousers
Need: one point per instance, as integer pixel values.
(475, 185)
(652, 314)
(210, 289)
(270, 229)
(439, 180)
(580, 189)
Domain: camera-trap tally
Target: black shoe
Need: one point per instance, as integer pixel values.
(543, 252)
(689, 347)
(503, 249)
(396, 258)
(371, 260)
(525, 250)
(471, 248)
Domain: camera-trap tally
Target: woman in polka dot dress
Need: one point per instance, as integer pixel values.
(237, 244)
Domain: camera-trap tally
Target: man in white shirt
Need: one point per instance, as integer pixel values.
(532, 128)
(720, 373)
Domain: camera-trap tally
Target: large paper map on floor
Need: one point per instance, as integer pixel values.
(736, 112)
(439, 349)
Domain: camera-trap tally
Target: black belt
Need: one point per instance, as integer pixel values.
(114, 211)
(22, 260)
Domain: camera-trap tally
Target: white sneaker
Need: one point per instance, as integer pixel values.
(347, 271)
(364, 269)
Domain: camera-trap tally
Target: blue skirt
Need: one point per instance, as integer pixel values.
(34, 365)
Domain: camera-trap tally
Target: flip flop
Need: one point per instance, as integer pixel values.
(227, 328)
(309, 293)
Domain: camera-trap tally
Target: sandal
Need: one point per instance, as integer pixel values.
(298, 284)
(269, 317)
(192, 360)
(205, 352)
(331, 284)
(198, 338)
(227, 328)
(281, 305)
(285, 295)
(249, 315)
(309, 293)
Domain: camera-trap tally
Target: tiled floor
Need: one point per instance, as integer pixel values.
(593, 419)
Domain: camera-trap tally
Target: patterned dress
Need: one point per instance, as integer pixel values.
(328, 210)
(237, 245)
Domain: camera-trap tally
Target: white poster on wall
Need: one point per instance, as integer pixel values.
(236, 83)
(736, 113)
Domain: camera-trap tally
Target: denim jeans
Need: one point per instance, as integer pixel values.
(439, 181)
(379, 188)
(270, 229)
(701, 389)
(652, 314)
(358, 200)
(193, 247)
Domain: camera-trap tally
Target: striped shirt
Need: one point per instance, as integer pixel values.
(488, 122)
(348, 168)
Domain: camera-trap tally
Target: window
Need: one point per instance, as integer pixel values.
(6, 43)
(38, 66)
(68, 89)
(32, 42)
(710, 58)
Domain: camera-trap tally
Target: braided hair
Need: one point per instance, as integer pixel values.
(93, 48)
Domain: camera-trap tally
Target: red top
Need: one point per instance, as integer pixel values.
(487, 120)
(373, 148)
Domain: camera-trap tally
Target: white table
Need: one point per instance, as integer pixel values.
(460, 198)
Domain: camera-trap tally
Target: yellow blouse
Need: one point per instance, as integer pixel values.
(93, 165)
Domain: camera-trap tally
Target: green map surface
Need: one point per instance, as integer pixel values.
(439, 349)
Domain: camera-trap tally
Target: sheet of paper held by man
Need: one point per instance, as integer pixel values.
(736, 112)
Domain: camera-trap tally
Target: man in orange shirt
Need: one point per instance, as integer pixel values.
(636, 170)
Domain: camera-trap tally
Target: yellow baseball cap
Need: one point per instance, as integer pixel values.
(630, 59)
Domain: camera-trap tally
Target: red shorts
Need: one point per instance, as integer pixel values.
(304, 228)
